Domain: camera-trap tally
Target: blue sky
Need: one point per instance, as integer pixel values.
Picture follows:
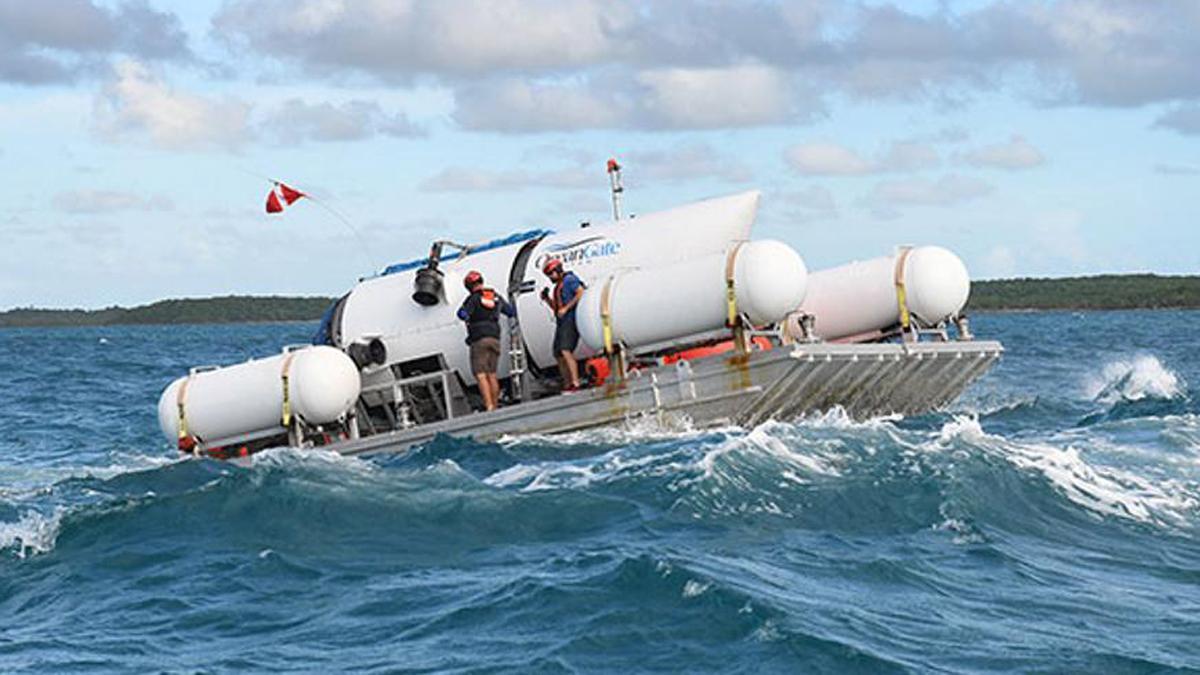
(1032, 138)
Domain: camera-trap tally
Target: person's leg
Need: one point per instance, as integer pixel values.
(494, 387)
(484, 390)
(571, 370)
(563, 374)
(486, 373)
(570, 340)
(485, 387)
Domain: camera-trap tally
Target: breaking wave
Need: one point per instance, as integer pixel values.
(1137, 379)
(31, 534)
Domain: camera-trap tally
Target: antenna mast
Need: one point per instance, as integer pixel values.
(614, 178)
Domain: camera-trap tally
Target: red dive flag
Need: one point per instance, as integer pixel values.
(288, 195)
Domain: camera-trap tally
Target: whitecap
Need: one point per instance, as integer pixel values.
(1143, 376)
(695, 588)
(639, 429)
(33, 534)
(1101, 489)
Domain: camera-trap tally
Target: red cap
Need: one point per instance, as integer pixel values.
(473, 277)
(613, 166)
(551, 265)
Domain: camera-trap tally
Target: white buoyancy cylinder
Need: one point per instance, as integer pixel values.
(247, 398)
(861, 297)
(654, 305)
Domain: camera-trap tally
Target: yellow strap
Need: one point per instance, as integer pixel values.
(730, 293)
(287, 401)
(180, 400)
(901, 293)
(606, 314)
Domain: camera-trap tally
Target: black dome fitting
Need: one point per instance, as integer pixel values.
(427, 284)
(372, 353)
(427, 287)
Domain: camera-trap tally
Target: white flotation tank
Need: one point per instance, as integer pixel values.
(246, 399)
(861, 297)
(652, 305)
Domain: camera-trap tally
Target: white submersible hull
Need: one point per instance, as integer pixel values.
(684, 320)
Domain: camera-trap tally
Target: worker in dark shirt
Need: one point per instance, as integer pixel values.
(568, 289)
(481, 310)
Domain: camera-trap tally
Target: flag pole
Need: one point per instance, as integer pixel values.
(363, 248)
(366, 251)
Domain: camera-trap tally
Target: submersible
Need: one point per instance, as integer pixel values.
(684, 319)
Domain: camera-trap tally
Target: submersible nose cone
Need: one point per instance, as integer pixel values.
(427, 287)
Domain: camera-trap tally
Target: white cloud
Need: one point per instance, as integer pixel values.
(518, 106)
(670, 64)
(353, 120)
(1183, 119)
(702, 98)
(463, 179)
(137, 103)
(814, 197)
(949, 190)
(811, 203)
(54, 41)
(824, 158)
(827, 159)
(676, 98)
(1017, 153)
(909, 156)
(692, 161)
(109, 201)
(398, 40)
(586, 171)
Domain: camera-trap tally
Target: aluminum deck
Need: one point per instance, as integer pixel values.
(781, 383)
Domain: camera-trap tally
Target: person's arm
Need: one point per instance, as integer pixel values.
(505, 308)
(463, 314)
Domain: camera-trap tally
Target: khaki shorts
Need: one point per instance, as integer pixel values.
(485, 354)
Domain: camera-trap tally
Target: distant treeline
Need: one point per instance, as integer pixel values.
(1109, 291)
(1112, 291)
(229, 309)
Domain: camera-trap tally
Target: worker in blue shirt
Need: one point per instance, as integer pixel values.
(568, 289)
(481, 310)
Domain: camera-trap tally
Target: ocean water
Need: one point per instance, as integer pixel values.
(1049, 521)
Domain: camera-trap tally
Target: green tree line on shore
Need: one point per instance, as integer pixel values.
(1112, 291)
(1108, 291)
(228, 309)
